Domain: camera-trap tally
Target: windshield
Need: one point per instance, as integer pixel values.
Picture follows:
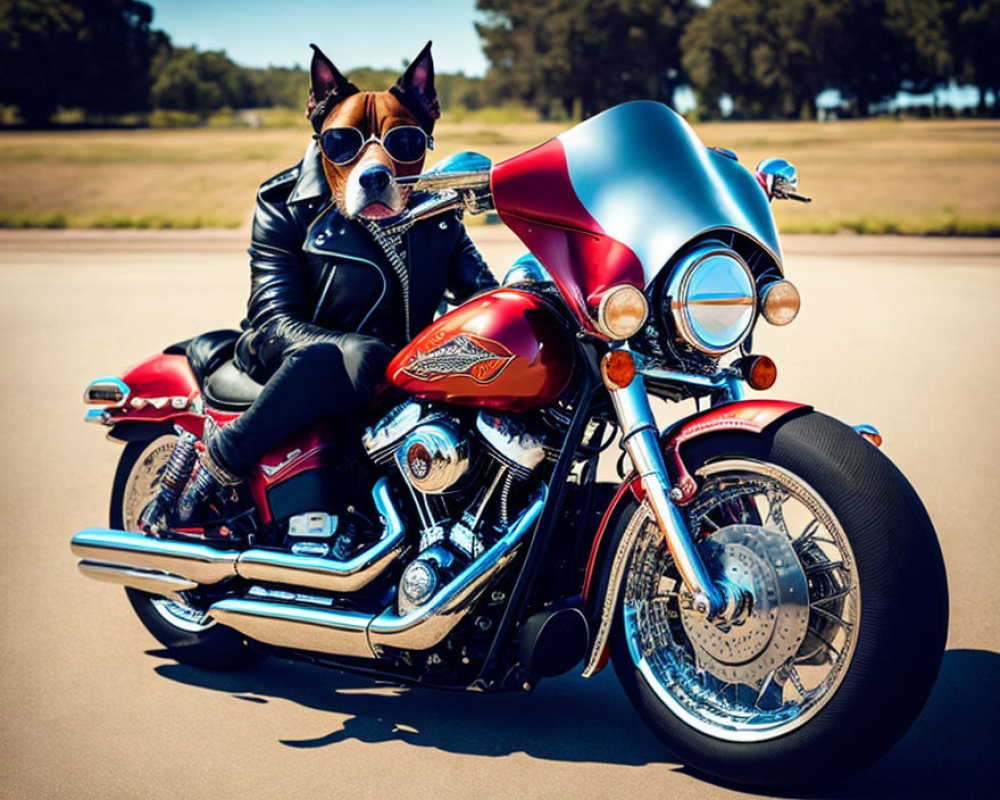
(638, 184)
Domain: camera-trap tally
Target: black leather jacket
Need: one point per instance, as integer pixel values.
(317, 276)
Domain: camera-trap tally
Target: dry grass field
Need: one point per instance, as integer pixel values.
(877, 176)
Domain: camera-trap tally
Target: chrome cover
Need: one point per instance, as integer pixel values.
(646, 178)
(434, 457)
(510, 442)
(389, 430)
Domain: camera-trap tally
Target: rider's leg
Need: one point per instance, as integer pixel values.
(317, 380)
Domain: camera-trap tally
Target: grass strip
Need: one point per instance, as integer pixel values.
(55, 220)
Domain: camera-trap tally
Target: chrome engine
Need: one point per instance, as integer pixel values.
(454, 471)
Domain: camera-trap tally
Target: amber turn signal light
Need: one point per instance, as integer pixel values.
(759, 371)
(617, 369)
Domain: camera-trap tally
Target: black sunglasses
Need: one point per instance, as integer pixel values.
(405, 144)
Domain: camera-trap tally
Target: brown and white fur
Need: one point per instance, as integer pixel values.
(366, 187)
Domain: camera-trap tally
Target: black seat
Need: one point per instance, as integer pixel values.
(208, 352)
(228, 389)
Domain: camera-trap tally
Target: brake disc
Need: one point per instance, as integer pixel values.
(771, 622)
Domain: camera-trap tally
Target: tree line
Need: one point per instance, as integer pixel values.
(767, 58)
(563, 58)
(104, 56)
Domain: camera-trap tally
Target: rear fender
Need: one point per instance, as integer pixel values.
(161, 390)
(752, 417)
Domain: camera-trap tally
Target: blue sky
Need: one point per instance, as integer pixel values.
(354, 33)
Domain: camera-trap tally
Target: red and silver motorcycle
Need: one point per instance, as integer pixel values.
(766, 583)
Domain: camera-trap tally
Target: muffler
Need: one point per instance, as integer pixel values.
(190, 560)
(300, 626)
(120, 557)
(162, 583)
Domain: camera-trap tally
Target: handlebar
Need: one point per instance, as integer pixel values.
(448, 191)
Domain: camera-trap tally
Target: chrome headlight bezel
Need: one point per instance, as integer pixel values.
(711, 298)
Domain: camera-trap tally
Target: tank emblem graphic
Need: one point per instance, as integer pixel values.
(466, 354)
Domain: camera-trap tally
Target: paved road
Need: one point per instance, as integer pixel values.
(901, 333)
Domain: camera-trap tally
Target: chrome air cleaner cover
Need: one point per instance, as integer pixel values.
(434, 457)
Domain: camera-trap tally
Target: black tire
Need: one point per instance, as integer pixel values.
(206, 644)
(903, 615)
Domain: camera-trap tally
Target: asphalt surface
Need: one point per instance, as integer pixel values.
(901, 333)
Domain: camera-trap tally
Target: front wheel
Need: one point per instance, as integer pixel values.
(842, 621)
(188, 633)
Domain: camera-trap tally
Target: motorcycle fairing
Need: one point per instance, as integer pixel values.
(613, 199)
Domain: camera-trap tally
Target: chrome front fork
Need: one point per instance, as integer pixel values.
(640, 438)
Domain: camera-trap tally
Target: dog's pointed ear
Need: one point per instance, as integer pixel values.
(415, 90)
(328, 88)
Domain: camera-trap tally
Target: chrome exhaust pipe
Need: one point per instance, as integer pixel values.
(299, 627)
(162, 583)
(122, 551)
(269, 566)
(189, 560)
(346, 633)
(428, 625)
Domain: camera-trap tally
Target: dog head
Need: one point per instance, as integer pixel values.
(364, 185)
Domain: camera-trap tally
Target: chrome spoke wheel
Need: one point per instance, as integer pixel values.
(140, 488)
(781, 654)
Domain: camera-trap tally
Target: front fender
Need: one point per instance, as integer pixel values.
(601, 584)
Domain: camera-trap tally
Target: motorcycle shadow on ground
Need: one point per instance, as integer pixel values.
(946, 753)
(562, 719)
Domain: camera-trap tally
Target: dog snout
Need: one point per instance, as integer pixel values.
(372, 191)
(375, 179)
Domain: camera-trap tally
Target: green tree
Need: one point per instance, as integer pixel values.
(280, 86)
(772, 57)
(979, 46)
(189, 80)
(583, 55)
(89, 53)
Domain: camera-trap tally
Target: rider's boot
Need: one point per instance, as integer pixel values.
(201, 508)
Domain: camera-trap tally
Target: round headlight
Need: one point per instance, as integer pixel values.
(712, 298)
(622, 311)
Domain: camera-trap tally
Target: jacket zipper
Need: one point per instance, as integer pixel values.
(333, 269)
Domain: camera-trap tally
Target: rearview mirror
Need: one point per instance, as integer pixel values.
(778, 177)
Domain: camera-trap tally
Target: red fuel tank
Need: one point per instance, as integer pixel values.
(505, 350)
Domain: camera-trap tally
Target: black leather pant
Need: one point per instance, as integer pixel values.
(319, 379)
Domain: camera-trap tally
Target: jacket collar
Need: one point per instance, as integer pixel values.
(333, 234)
(312, 182)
